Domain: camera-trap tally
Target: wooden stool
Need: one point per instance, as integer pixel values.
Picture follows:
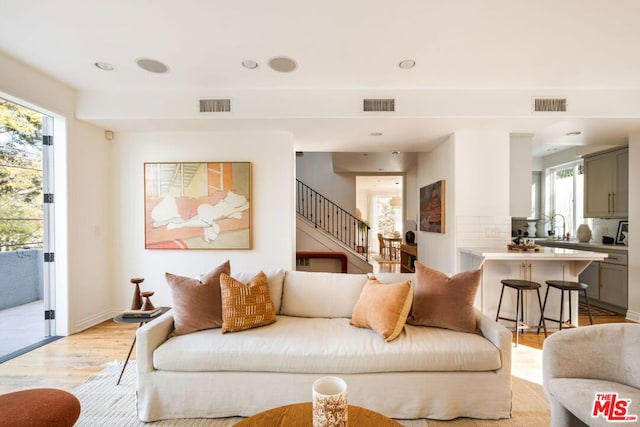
(520, 286)
(39, 407)
(562, 286)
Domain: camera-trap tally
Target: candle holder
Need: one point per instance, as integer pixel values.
(136, 302)
(147, 301)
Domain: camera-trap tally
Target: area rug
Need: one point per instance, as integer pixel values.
(105, 404)
(529, 408)
(595, 310)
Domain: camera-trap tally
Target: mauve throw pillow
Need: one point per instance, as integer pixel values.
(443, 301)
(197, 304)
(383, 307)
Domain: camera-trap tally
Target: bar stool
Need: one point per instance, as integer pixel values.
(562, 286)
(520, 286)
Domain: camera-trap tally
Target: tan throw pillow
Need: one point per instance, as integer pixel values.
(246, 306)
(443, 301)
(196, 303)
(383, 308)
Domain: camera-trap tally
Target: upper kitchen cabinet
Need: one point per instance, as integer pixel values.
(520, 200)
(606, 185)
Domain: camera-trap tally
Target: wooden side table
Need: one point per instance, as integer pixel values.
(299, 414)
(141, 320)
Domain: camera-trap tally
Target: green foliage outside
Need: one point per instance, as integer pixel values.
(21, 212)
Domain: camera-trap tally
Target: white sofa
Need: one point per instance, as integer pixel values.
(425, 373)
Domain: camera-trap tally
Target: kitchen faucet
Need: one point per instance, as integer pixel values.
(553, 225)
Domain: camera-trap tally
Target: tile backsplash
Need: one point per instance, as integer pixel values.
(483, 231)
(599, 227)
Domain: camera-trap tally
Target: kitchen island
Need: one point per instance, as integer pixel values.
(538, 266)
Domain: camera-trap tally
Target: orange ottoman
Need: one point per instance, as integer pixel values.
(39, 407)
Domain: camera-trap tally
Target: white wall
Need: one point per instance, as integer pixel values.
(434, 249)
(633, 312)
(475, 166)
(272, 158)
(316, 171)
(82, 225)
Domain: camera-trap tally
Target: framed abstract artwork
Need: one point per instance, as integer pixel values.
(432, 204)
(200, 205)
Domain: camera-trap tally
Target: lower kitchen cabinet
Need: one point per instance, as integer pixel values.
(608, 282)
(613, 284)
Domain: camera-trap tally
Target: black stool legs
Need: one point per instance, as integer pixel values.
(562, 286)
(520, 286)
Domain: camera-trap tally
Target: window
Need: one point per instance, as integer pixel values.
(565, 203)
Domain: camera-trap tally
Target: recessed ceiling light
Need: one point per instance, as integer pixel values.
(152, 65)
(376, 134)
(407, 64)
(251, 65)
(283, 64)
(105, 66)
(574, 133)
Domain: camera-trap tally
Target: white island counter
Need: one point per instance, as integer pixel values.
(538, 266)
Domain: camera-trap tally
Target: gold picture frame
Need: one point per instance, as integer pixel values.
(197, 205)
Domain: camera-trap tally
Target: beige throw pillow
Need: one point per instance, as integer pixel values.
(196, 303)
(383, 308)
(246, 306)
(443, 301)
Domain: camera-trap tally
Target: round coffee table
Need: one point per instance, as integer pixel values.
(299, 414)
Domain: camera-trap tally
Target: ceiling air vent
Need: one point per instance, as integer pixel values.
(369, 104)
(215, 105)
(550, 104)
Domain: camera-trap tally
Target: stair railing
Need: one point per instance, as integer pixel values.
(332, 219)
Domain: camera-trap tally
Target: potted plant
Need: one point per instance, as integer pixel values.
(361, 245)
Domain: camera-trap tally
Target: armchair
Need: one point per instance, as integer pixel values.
(584, 368)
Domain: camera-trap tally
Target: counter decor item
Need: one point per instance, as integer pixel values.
(584, 233)
(526, 245)
(329, 402)
(623, 227)
(531, 229)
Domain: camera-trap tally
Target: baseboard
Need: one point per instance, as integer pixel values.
(634, 316)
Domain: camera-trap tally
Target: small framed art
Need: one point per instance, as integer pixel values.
(432, 207)
(623, 232)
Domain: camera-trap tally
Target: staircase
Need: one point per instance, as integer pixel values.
(332, 220)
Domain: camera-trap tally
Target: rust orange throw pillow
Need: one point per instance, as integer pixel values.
(246, 306)
(196, 303)
(383, 307)
(443, 301)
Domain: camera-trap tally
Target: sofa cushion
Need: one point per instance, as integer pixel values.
(196, 303)
(321, 345)
(275, 279)
(245, 306)
(316, 294)
(383, 307)
(443, 301)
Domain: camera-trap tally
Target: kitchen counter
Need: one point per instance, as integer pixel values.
(545, 253)
(582, 245)
(550, 263)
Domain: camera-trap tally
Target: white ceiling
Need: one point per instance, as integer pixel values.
(479, 64)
